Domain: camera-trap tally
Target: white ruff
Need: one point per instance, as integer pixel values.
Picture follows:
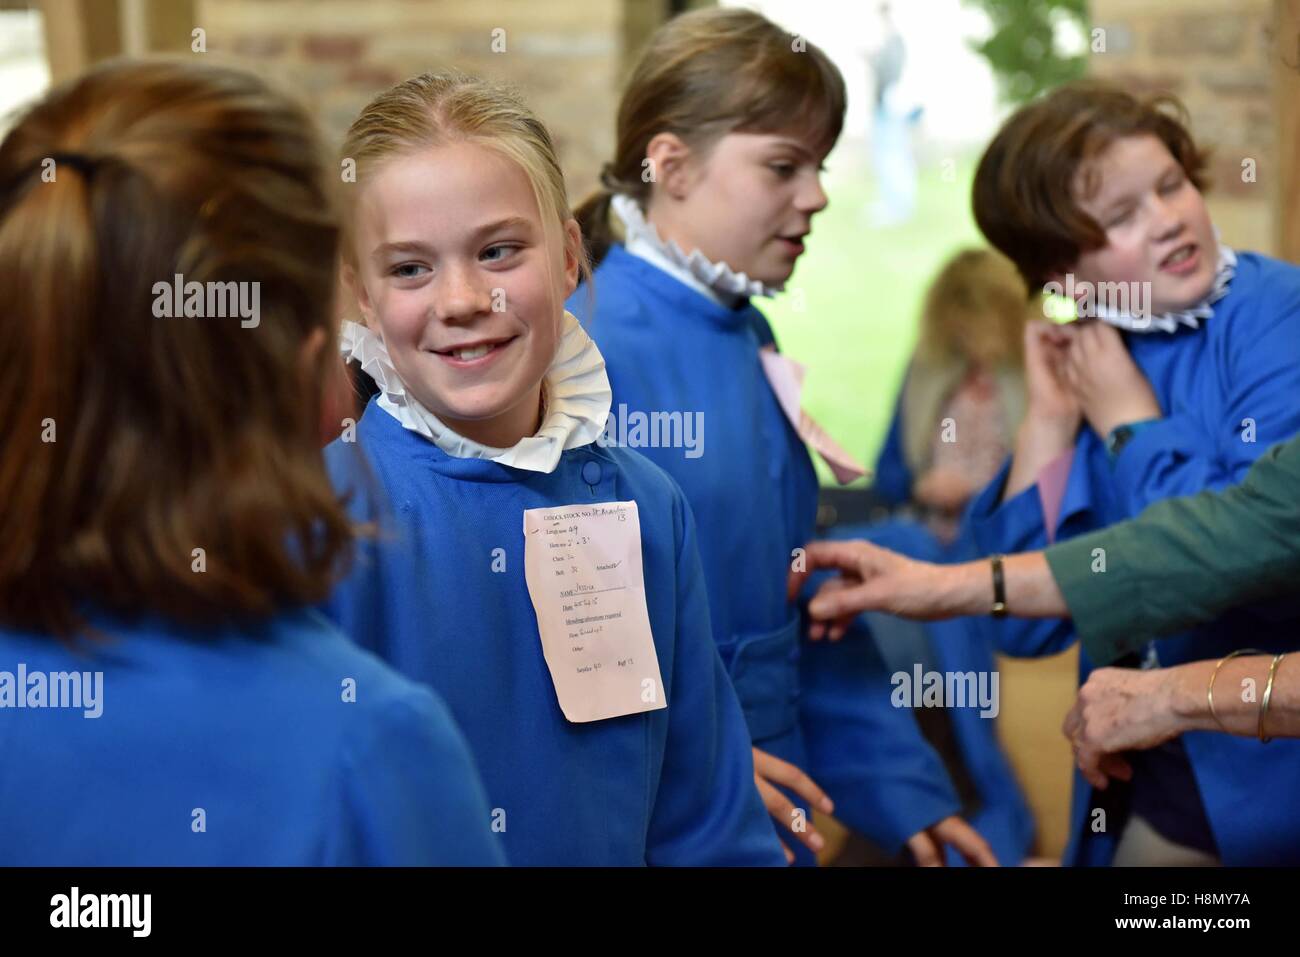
(1192, 316)
(575, 391)
(716, 280)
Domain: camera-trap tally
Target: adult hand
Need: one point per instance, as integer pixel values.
(871, 579)
(1119, 709)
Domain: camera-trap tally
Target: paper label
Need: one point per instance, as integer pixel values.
(583, 567)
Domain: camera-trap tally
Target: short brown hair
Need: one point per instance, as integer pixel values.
(169, 434)
(1024, 195)
(704, 74)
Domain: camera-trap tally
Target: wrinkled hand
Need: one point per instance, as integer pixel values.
(1111, 390)
(927, 845)
(769, 771)
(1119, 709)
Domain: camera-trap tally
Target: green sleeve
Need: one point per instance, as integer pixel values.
(1186, 560)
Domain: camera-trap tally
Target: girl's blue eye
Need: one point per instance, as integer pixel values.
(400, 272)
(502, 249)
(784, 170)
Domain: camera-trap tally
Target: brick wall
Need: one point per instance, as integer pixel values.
(567, 56)
(1218, 57)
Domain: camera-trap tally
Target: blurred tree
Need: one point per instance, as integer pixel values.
(1035, 44)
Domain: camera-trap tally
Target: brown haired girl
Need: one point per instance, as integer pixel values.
(168, 520)
(722, 132)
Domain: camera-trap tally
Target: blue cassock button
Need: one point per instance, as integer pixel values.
(591, 473)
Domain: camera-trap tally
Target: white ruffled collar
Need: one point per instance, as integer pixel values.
(718, 281)
(576, 395)
(1192, 316)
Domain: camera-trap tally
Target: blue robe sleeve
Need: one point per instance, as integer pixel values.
(1018, 525)
(408, 791)
(1175, 456)
(893, 479)
(707, 810)
(869, 756)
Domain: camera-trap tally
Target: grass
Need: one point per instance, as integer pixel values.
(861, 289)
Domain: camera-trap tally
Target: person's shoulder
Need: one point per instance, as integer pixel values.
(616, 295)
(370, 459)
(657, 494)
(1262, 302)
(406, 789)
(331, 675)
(346, 455)
(638, 469)
(1260, 277)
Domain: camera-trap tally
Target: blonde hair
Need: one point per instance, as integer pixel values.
(975, 311)
(434, 109)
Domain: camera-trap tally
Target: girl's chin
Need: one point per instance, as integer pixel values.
(1184, 299)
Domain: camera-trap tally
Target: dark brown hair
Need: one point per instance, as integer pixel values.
(702, 75)
(1027, 189)
(169, 434)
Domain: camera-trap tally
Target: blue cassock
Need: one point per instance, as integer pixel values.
(1228, 390)
(280, 743)
(441, 595)
(753, 490)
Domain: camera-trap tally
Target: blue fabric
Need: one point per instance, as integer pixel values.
(251, 725)
(753, 491)
(955, 646)
(1004, 818)
(1228, 391)
(441, 595)
(892, 479)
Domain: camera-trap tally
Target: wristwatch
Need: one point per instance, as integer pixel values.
(1119, 437)
(1122, 435)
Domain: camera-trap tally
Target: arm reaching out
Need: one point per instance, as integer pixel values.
(876, 579)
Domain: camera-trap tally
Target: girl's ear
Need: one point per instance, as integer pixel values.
(353, 290)
(572, 256)
(669, 165)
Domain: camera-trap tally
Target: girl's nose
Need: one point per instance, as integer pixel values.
(812, 198)
(1167, 219)
(459, 295)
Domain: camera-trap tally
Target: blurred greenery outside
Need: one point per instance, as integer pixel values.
(861, 288)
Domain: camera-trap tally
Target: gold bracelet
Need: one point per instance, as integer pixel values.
(1209, 692)
(1268, 693)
